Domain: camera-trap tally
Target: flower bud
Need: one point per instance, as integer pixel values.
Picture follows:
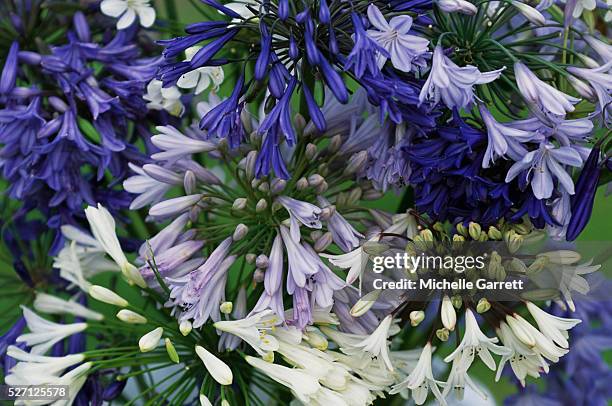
(262, 261)
(299, 121)
(494, 233)
(251, 160)
(185, 327)
(150, 341)
(204, 401)
(442, 334)
(322, 188)
(457, 6)
(264, 187)
(365, 303)
(217, 368)
(530, 13)
(520, 328)
(316, 340)
(582, 88)
(354, 196)
(189, 182)
(538, 265)
(315, 180)
(226, 307)
(105, 295)
(258, 275)
(172, 354)
(426, 235)
(311, 151)
(239, 204)
(483, 305)
(250, 258)
(255, 183)
(416, 317)
(561, 257)
(513, 241)
(278, 185)
(474, 230)
(301, 184)
(240, 232)
(457, 301)
(447, 314)
(316, 234)
(322, 243)
(261, 205)
(461, 229)
(356, 163)
(327, 212)
(458, 238)
(131, 317)
(335, 143)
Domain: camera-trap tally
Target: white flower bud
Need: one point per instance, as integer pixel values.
(239, 204)
(483, 305)
(189, 182)
(327, 212)
(582, 88)
(529, 12)
(204, 401)
(316, 340)
(261, 205)
(150, 341)
(447, 313)
(561, 257)
(226, 307)
(416, 317)
(322, 188)
(107, 296)
(185, 327)
(264, 187)
(258, 275)
(131, 317)
(356, 163)
(217, 368)
(335, 143)
(457, 6)
(301, 184)
(365, 303)
(250, 258)
(311, 151)
(240, 232)
(251, 159)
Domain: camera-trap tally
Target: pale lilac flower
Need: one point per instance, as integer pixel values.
(168, 260)
(603, 50)
(148, 189)
(323, 283)
(302, 308)
(403, 48)
(197, 296)
(567, 132)
(273, 277)
(545, 163)
(273, 302)
(601, 81)
(343, 233)
(165, 238)
(541, 94)
(175, 144)
(175, 206)
(127, 10)
(300, 262)
(451, 83)
(504, 141)
(304, 212)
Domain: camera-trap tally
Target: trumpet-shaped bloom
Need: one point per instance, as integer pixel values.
(253, 329)
(44, 333)
(453, 84)
(128, 10)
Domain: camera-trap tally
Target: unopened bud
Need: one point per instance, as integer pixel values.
(483, 305)
(516, 265)
(365, 303)
(356, 163)
(582, 88)
(327, 212)
(315, 180)
(458, 238)
(561, 257)
(226, 307)
(323, 169)
(416, 317)
(251, 160)
(354, 196)
(461, 229)
(322, 243)
(457, 301)
(185, 327)
(131, 317)
(335, 143)
(278, 185)
(261, 205)
(538, 265)
(494, 233)
(240, 232)
(316, 234)
(426, 235)
(150, 341)
(371, 194)
(300, 122)
(250, 258)
(105, 295)
(255, 183)
(530, 13)
(442, 334)
(513, 241)
(264, 187)
(301, 184)
(239, 204)
(311, 151)
(189, 182)
(258, 276)
(474, 230)
(457, 6)
(172, 354)
(322, 188)
(316, 340)
(262, 261)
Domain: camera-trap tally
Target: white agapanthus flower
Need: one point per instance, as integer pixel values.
(254, 330)
(44, 333)
(377, 343)
(217, 368)
(50, 304)
(554, 327)
(201, 78)
(34, 369)
(164, 98)
(128, 10)
(524, 360)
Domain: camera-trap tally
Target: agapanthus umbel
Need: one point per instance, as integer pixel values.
(297, 46)
(69, 114)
